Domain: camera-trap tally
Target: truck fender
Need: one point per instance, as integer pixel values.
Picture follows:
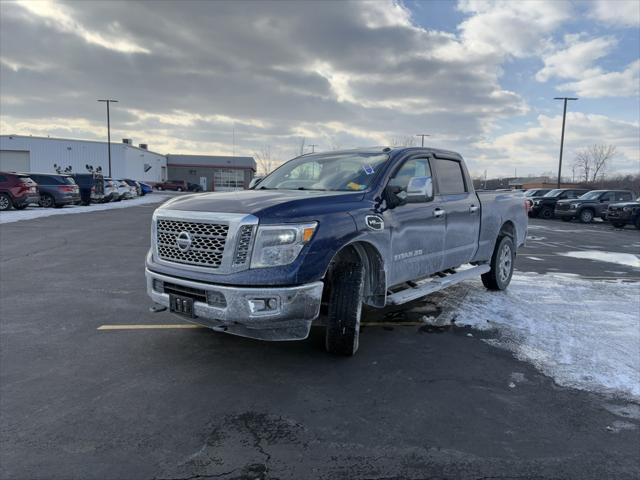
(375, 277)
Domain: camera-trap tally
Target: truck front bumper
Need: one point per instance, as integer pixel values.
(265, 313)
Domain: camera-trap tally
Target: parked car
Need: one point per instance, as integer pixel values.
(177, 185)
(545, 205)
(56, 190)
(111, 193)
(626, 213)
(194, 187)
(335, 231)
(145, 188)
(590, 205)
(17, 191)
(91, 187)
(124, 190)
(135, 185)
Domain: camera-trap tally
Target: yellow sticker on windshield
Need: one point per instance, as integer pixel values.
(355, 186)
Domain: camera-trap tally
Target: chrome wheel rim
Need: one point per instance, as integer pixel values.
(4, 203)
(505, 263)
(587, 216)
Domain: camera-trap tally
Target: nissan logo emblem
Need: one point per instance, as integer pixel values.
(184, 241)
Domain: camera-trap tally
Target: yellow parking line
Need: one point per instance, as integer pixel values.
(169, 326)
(148, 326)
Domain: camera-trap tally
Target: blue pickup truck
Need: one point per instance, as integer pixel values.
(325, 234)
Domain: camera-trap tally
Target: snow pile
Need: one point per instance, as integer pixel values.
(30, 213)
(628, 259)
(584, 334)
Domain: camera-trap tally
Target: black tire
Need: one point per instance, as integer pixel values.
(47, 201)
(499, 277)
(566, 219)
(636, 223)
(344, 309)
(618, 224)
(547, 213)
(586, 215)
(5, 202)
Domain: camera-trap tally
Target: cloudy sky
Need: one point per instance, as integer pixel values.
(191, 77)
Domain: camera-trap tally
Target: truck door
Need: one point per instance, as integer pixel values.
(461, 211)
(416, 227)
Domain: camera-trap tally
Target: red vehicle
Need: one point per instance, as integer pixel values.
(177, 185)
(17, 191)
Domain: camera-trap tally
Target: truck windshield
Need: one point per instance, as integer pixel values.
(346, 171)
(554, 193)
(590, 195)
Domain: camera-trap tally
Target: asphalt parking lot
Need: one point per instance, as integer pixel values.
(185, 403)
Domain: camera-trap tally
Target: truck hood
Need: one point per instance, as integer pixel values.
(576, 200)
(263, 203)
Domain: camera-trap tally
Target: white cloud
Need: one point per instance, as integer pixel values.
(576, 59)
(536, 148)
(624, 13)
(515, 28)
(62, 18)
(608, 84)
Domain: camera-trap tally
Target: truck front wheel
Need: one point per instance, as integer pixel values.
(502, 260)
(344, 309)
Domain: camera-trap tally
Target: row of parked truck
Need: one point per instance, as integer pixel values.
(618, 207)
(19, 190)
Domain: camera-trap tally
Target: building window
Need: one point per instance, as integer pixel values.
(228, 179)
(192, 172)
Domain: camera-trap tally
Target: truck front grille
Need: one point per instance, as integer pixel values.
(207, 242)
(244, 243)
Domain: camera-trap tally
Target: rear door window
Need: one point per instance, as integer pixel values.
(623, 196)
(449, 176)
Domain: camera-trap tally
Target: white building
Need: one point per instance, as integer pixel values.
(19, 153)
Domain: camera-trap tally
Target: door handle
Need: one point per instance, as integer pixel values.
(473, 208)
(438, 212)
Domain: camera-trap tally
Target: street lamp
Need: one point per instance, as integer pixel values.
(564, 116)
(108, 101)
(423, 135)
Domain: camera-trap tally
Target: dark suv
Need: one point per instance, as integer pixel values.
(91, 187)
(621, 214)
(590, 205)
(544, 206)
(56, 190)
(178, 185)
(17, 191)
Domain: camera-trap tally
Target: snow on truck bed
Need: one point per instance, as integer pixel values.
(584, 334)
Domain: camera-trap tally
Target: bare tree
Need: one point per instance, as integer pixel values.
(403, 141)
(264, 160)
(301, 145)
(592, 162)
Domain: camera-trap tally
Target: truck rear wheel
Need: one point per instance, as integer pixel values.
(502, 260)
(344, 309)
(5, 202)
(547, 213)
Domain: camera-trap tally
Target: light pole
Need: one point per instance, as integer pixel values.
(423, 135)
(108, 101)
(564, 117)
(313, 147)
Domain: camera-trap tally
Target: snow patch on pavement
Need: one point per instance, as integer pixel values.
(30, 213)
(584, 334)
(628, 259)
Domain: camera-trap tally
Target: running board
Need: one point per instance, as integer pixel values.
(435, 284)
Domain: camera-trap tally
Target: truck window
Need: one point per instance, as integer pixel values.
(418, 167)
(449, 176)
(623, 196)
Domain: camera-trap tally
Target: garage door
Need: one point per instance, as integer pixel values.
(14, 161)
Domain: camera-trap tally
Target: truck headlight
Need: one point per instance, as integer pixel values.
(280, 244)
(573, 206)
(537, 202)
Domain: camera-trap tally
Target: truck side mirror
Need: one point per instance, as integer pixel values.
(255, 181)
(420, 189)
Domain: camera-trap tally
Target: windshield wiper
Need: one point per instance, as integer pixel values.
(316, 189)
